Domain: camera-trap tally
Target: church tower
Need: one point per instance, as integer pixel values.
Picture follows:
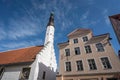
(44, 67)
(50, 30)
(49, 39)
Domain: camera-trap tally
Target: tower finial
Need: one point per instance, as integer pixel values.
(51, 20)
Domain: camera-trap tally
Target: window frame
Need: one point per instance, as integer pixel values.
(100, 47)
(75, 41)
(92, 65)
(69, 67)
(109, 63)
(79, 67)
(67, 52)
(77, 50)
(88, 49)
(85, 38)
(21, 73)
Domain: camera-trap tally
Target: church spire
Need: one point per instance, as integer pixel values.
(51, 20)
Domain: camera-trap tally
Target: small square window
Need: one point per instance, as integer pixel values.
(88, 49)
(75, 41)
(85, 39)
(99, 47)
(25, 73)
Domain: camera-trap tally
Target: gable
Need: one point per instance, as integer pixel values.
(78, 32)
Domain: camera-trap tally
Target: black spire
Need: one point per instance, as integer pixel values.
(51, 20)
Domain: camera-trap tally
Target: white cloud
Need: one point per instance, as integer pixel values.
(22, 28)
(105, 16)
(84, 16)
(22, 44)
(3, 33)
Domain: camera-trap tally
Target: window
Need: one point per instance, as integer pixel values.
(68, 66)
(67, 52)
(44, 73)
(2, 69)
(99, 47)
(106, 63)
(85, 39)
(88, 49)
(25, 73)
(92, 64)
(79, 65)
(75, 41)
(77, 50)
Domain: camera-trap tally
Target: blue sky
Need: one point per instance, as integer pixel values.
(23, 22)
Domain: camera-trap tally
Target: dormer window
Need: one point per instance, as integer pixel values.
(85, 38)
(75, 41)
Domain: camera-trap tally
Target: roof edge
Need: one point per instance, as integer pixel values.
(22, 48)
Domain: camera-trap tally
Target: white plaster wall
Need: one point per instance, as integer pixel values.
(12, 72)
(42, 63)
(49, 34)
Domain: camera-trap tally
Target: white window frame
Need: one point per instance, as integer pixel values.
(75, 50)
(108, 60)
(65, 66)
(77, 67)
(75, 41)
(65, 51)
(86, 51)
(85, 39)
(89, 65)
(100, 47)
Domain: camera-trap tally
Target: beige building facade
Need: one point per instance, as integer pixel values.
(87, 57)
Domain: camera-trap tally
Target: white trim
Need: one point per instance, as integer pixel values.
(97, 49)
(83, 37)
(95, 64)
(102, 63)
(65, 66)
(82, 64)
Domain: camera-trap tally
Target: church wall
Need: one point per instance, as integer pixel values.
(42, 66)
(13, 72)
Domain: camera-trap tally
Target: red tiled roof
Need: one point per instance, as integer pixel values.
(19, 56)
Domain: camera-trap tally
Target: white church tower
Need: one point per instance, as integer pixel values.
(50, 30)
(45, 64)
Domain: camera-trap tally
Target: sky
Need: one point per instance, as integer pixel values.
(23, 22)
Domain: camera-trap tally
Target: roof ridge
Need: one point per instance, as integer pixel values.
(21, 48)
(101, 35)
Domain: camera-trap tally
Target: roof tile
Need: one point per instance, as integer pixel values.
(19, 55)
